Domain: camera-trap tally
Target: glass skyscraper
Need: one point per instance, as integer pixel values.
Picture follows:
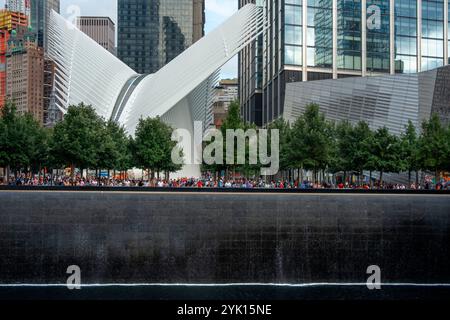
(329, 39)
(40, 14)
(153, 32)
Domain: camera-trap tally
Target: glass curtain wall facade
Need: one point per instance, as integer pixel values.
(293, 33)
(40, 15)
(406, 36)
(349, 35)
(378, 36)
(320, 34)
(329, 39)
(152, 32)
(250, 63)
(432, 34)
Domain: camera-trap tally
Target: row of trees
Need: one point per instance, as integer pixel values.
(314, 144)
(83, 140)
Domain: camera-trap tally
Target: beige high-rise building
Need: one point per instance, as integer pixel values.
(226, 93)
(25, 79)
(101, 29)
(199, 20)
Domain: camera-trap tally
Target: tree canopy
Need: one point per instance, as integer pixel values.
(152, 146)
(86, 141)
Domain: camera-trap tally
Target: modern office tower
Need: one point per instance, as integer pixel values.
(250, 63)
(330, 39)
(25, 77)
(153, 32)
(100, 29)
(9, 23)
(40, 14)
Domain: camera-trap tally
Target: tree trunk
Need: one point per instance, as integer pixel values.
(381, 179)
(417, 179)
(370, 178)
(7, 174)
(409, 179)
(72, 171)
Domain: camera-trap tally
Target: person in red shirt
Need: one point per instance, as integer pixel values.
(199, 184)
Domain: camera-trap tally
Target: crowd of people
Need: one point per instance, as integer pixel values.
(221, 183)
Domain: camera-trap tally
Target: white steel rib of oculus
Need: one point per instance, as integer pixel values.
(86, 72)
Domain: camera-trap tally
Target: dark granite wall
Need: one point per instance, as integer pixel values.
(222, 238)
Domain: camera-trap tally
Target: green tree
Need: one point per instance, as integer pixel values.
(432, 146)
(385, 152)
(344, 148)
(447, 150)
(285, 131)
(39, 151)
(3, 142)
(78, 138)
(296, 153)
(118, 134)
(409, 154)
(23, 142)
(311, 142)
(233, 121)
(114, 150)
(152, 147)
(106, 154)
(360, 152)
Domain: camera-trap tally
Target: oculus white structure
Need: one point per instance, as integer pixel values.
(180, 93)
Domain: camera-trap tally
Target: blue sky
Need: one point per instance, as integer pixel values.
(216, 12)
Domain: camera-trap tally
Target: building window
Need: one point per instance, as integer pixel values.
(293, 33)
(320, 33)
(378, 36)
(349, 35)
(405, 36)
(432, 34)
